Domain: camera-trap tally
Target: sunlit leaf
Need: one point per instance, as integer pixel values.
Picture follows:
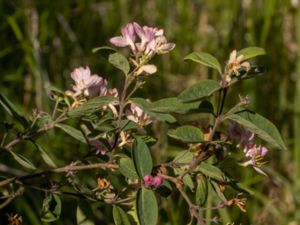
(187, 133)
(184, 157)
(200, 90)
(147, 209)
(251, 52)
(205, 59)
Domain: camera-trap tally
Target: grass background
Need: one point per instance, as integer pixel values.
(42, 41)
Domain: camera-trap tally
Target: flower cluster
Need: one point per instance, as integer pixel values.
(234, 64)
(87, 85)
(144, 42)
(149, 181)
(244, 140)
(138, 115)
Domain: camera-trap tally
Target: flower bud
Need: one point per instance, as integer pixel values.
(157, 181)
(148, 179)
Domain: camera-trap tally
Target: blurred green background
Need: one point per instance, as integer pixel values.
(42, 41)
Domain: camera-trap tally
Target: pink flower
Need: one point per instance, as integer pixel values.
(101, 149)
(127, 38)
(148, 180)
(85, 83)
(157, 181)
(138, 115)
(238, 135)
(151, 40)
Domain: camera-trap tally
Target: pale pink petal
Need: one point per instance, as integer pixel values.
(119, 41)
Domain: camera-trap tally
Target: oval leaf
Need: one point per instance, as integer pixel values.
(259, 125)
(147, 209)
(22, 160)
(77, 134)
(142, 158)
(251, 52)
(205, 59)
(168, 105)
(184, 157)
(202, 89)
(119, 61)
(146, 106)
(187, 134)
(91, 106)
(127, 168)
(212, 172)
(201, 190)
(120, 217)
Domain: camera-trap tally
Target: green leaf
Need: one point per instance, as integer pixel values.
(218, 191)
(251, 52)
(201, 190)
(81, 218)
(200, 90)
(259, 125)
(168, 105)
(22, 160)
(147, 209)
(212, 172)
(205, 59)
(91, 106)
(77, 134)
(10, 108)
(120, 217)
(184, 157)
(94, 50)
(119, 61)
(47, 159)
(187, 134)
(51, 208)
(126, 167)
(146, 106)
(142, 158)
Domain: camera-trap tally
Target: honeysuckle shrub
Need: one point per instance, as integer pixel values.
(115, 128)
